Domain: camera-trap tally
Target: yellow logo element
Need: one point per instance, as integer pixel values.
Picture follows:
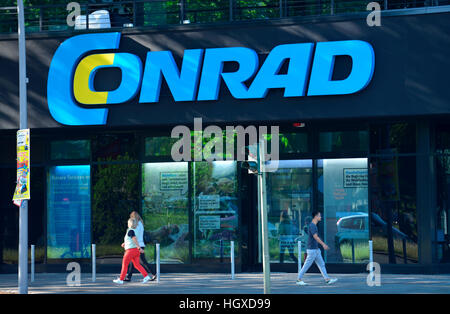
(83, 81)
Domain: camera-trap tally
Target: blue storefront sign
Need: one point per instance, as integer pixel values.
(70, 88)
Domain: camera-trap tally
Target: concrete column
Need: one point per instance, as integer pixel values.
(426, 192)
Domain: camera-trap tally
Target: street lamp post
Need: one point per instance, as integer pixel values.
(263, 210)
(23, 211)
(256, 165)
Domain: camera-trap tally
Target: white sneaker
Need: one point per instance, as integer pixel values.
(301, 283)
(146, 279)
(331, 281)
(118, 281)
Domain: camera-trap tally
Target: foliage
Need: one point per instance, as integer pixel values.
(154, 13)
(380, 245)
(361, 251)
(115, 194)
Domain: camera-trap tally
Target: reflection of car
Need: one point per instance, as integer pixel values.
(356, 227)
(381, 225)
(352, 227)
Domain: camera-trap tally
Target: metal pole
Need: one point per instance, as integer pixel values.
(182, 13)
(93, 263)
(32, 262)
(221, 251)
(157, 263)
(23, 211)
(370, 252)
(87, 16)
(134, 13)
(299, 258)
(263, 210)
(353, 251)
(41, 19)
(405, 255)
(232, 259)
(281, 8)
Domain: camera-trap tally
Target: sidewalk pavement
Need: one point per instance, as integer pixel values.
(244, 283)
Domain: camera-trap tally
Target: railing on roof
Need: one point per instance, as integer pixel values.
(148, 13)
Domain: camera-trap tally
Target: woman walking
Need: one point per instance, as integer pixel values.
(140, 237)
(132, 252)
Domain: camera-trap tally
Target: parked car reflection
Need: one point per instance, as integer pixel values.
(356, 228)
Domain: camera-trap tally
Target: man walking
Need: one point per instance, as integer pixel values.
(313, 252)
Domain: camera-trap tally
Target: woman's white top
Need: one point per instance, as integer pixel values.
(140, 234)
(129, 244)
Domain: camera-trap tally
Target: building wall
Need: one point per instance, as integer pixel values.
(411, 66)
(398, 125)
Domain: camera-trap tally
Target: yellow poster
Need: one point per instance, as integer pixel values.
(22, 191)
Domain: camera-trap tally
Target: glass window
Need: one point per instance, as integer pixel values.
(215, 209)
(37, 146)
(443, 139)
(393, 209)
(343, 197)
(78, 149)
(443, 212)
(159, 146)
(291, 143)
(9, 217)
(9, 154)
(115, 193)
(68, 212)
(36, 229)
(165, 210)
(289, 196)
(114, 147)
(344, 141)
(389, 138)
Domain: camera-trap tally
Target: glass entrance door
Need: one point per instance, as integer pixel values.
(289, 202)
(215, 210)
(342, 186)
(338, 188)
(165, 210)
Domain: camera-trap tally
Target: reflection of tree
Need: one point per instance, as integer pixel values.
(115, 195)
(208, 185)
(159, 146)
(203, 174)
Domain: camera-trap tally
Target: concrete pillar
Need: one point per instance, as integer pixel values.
(426, 192)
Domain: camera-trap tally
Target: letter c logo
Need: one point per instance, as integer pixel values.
(83, 81)
(61, 103)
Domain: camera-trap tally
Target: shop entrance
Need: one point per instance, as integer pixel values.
(336, 187)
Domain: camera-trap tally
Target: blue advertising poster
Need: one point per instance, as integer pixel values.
(69, 212)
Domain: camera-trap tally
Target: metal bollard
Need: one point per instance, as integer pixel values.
(221, 251)
(232, 259)
(405, 255)
(93, 263)
(299, 250)
(32, 262)
(157, 263)
(353, 251)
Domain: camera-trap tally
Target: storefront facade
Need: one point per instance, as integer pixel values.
(374, 161)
